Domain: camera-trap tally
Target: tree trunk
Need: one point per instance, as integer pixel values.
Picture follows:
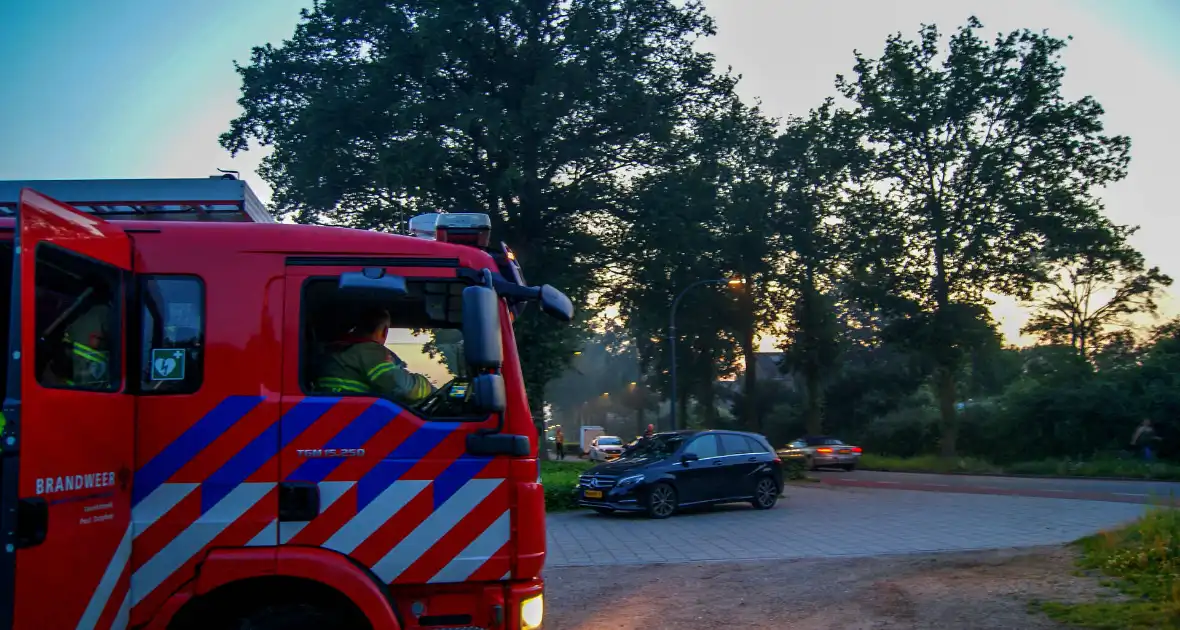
(814, 410)
(751, 410)
(640, 422)
(948, 426)
(537, 406)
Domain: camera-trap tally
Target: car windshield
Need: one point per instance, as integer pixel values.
(609, 441)
(656, 446)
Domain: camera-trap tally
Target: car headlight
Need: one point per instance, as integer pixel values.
(630, 481)
(532, 611)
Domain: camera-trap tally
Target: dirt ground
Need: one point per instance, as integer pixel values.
(988, 590)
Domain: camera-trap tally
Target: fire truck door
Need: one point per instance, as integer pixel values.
(69, 436)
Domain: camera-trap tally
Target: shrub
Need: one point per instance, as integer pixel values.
(560, 480)
(794, 469)
(1144, 559)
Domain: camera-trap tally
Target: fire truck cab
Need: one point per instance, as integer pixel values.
(169, 462)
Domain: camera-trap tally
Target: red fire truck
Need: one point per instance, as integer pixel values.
(168, 462)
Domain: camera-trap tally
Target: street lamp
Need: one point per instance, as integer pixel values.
(733, 282)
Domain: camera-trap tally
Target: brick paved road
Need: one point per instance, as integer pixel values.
(827, 522)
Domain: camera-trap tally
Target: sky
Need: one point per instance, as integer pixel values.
(143, 88)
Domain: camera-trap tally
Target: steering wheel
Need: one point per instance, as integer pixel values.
(437, 402)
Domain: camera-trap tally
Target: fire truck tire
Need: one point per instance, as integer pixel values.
(293, 617)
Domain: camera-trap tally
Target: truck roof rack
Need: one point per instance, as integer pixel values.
(216, 198)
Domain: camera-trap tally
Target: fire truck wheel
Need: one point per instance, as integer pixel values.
(292, 617)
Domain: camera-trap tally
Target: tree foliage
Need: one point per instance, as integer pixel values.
(982, 170)
(1091, 297)
(624, 169)
(817, 158)
(529, 110)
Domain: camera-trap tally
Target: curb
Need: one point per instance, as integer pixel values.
(1017, 475)
(1013, 492)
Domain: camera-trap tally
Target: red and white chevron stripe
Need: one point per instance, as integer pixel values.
(399, 534)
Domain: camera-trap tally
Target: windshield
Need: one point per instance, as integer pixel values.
(656, 447)
(609, 441)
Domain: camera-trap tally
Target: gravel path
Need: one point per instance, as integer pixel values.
(988, 590)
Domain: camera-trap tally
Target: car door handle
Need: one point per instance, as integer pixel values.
(752, 459)
(718, 462)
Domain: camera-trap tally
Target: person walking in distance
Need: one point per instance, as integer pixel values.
(1144, 439)
(560, 438)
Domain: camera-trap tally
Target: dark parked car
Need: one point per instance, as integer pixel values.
(667, 471)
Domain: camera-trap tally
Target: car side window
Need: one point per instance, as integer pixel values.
(798, 444)
(734, 444)
(755, 446)
(78, 318)
(704, 446)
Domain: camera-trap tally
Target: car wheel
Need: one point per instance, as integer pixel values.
(604, 511)
(661, 501)
(765, 494)
(811, 464)
(849, 467)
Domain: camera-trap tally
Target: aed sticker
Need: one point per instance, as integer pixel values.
(168, 364)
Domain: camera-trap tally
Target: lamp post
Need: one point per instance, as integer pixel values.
(672, 331)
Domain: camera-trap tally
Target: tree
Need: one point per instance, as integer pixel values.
(815, 158)
(982, 169)
(1091, 297)
(703, 215)
(529, 110)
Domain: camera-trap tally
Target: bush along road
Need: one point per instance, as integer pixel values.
(1108, 468)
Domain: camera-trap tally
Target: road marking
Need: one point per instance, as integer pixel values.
(1132, 494)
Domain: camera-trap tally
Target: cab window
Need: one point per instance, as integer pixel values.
(704, 446)
(78, 321)
(172, 326)
(424, 339)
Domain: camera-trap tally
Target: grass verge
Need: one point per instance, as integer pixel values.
(560, 480)
(1143, 563)
(1114, 468)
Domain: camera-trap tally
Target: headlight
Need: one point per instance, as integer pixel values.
(630, 481)
(532, 611)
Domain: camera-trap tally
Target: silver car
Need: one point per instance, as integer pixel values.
(821, 451)
(605, 448)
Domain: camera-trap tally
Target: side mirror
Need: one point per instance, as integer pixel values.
(689, 457)
(488, 393)
(372, 283)
(481, 328)
(555, 304)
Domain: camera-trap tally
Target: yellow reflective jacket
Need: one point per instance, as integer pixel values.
(367, 367)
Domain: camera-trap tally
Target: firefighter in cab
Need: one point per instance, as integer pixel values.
(361, 364)
(84, 353)
(86, 340)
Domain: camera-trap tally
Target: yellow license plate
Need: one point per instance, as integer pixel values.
(845, 451)
(594, 494)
